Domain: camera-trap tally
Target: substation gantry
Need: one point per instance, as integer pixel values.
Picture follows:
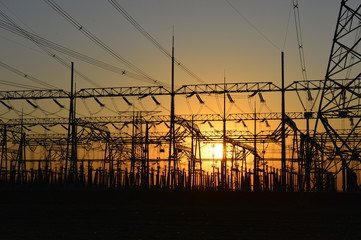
(321, 154)
(132, 150)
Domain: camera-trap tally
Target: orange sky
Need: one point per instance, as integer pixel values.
(239, 40)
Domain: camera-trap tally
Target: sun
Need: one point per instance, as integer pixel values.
(217, 151)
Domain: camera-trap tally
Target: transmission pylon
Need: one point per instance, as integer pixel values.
(341, 99)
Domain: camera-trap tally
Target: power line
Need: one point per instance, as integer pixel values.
(127, 16)
(97, 41)
(299, 38)
(19, 85)
(302, 54)
(287, 28)
(47, 51)
(252, 25)
(27, 76)
(69, 52)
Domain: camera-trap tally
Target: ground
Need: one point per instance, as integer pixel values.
(63, 213)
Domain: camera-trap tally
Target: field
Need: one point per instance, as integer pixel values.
(46, 213)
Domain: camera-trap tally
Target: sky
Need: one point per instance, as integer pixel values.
(238, 40)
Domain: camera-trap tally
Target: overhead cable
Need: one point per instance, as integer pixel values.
(59, 48)
(253, 26)
(127, 16)
(97, 41)
(27, 76)
(32, 38)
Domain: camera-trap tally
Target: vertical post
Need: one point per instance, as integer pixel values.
(173, 111)
(146, 170)
(21, 157)
(193, 157)
(133, 149)
(3, 160)
(308, 157)
(255, 161)
(74, 147)
(283, 130)
(224, 162)
(70, 158)
(172, 152)
(172, 147)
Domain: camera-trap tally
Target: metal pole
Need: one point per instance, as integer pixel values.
(224, 162)
(172, 152)
(308, 157)
(146, 171)
(3, 160)
(69, 137)
(255, 161)
(283, 130)
(74, 147)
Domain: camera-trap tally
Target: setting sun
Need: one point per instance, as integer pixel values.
(217, 151)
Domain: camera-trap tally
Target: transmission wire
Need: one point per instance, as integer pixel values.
(27, 76)
(19, 85)
(252, 25)
(97, 41)
(127, 16)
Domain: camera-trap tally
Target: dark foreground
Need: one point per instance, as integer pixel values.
(101, 214)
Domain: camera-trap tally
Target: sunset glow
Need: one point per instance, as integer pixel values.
(180, 119)
(217, 150)
(148, 88)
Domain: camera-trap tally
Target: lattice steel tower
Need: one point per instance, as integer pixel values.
(340, 100)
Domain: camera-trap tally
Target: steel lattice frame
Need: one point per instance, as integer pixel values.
(342, 98)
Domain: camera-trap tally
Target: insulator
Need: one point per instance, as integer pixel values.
(9, 107)
(127, 101)
(310, 98)
(351, 122)
(63, 127)
(261, 97)
(230, 98)
(26, 128)
(199, 99)
(267, 124)
(99, 102)
(155, 100)
(58, 103)
(32, 104)
(254, 93)
(190, 95)
(244, 123)
(45, 127)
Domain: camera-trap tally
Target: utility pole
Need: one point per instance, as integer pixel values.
(172, 147)
(224, 184)
(3, 160)
(71, 150)
(283, 129)
(255, 161)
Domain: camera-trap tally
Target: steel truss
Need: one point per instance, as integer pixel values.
(342, 98)
(189, 90)
(319, 158)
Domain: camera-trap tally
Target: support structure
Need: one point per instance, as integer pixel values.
(342, 98)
